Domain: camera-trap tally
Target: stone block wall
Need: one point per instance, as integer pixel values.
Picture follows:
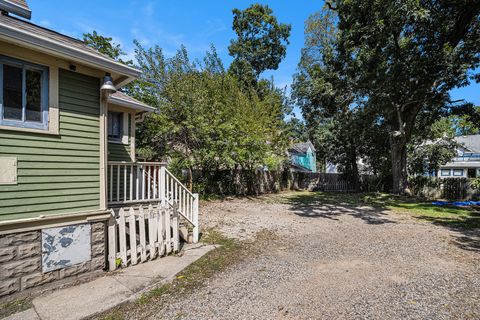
(21, 260)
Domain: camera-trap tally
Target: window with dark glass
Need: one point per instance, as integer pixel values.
(115, 124)
(23, 94)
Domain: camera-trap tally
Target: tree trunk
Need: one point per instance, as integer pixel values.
(355, 176)
(190, 179)
(399, 164)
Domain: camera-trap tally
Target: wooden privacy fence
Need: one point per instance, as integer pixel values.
(142, 233)
(332, 182)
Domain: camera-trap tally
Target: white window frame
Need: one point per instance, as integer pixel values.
(124, 127)
(445, 175)
(457, 175)
(44, 99)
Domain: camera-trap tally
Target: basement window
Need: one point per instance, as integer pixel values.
(23, 94)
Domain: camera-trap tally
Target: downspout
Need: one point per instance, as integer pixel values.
(103, 149)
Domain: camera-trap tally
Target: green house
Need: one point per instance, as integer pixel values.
(303, 157)
(69, 176)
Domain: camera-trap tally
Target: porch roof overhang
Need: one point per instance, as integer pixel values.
(31, 36)
(123, 100)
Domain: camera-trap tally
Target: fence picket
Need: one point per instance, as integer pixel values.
(122, 237)
(112, 243)
(168, 232)
(133, 236)
(141, 227)
(161, 230)
(175, 227)
(152, 231)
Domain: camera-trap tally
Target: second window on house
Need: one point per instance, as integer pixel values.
(115, 126)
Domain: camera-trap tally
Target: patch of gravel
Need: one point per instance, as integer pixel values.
(335, 262)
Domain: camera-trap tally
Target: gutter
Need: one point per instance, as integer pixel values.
(130, 104)
(67, 52)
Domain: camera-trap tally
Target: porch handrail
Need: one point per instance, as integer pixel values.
(137, 162)
(140, 182)
(179, 182)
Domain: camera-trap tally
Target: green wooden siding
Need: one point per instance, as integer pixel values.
(57, 174)
(119, 152)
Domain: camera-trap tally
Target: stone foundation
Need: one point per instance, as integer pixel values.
(21, 260)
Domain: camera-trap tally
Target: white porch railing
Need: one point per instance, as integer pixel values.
(140, 182)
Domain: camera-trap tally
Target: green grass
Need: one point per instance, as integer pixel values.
(455, 217)
(14, 306)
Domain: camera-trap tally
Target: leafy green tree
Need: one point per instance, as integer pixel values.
(399, 60)
(261, 42)
(334, 117)
(106, 46)
(206, 120)
(406, 57)
(297, 130)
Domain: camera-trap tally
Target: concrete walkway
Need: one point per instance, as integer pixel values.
(115, 288)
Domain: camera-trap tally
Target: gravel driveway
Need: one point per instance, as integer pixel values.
(336, 262)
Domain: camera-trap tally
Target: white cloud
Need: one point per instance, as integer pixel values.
(45, 23)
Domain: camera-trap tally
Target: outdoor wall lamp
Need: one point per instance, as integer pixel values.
(107, 84)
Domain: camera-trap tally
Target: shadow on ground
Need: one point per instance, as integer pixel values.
(374, 209)
(316, 205)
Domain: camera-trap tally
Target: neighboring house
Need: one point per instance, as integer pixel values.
(303, 157)
(70, 186)
(467, 162)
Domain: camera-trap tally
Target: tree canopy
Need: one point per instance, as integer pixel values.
(261, 42)
(393, 61)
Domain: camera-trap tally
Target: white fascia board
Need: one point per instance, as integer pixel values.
(56, 48)
(130, 105)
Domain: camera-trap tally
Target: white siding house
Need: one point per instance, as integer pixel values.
(467, 162)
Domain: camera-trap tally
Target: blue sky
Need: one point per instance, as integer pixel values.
(194, 23)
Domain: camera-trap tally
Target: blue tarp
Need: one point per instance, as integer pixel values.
(456, 203)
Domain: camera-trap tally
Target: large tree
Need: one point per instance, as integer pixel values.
(261, 42)
(105, 45)
(337, 123)
(404, 58)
